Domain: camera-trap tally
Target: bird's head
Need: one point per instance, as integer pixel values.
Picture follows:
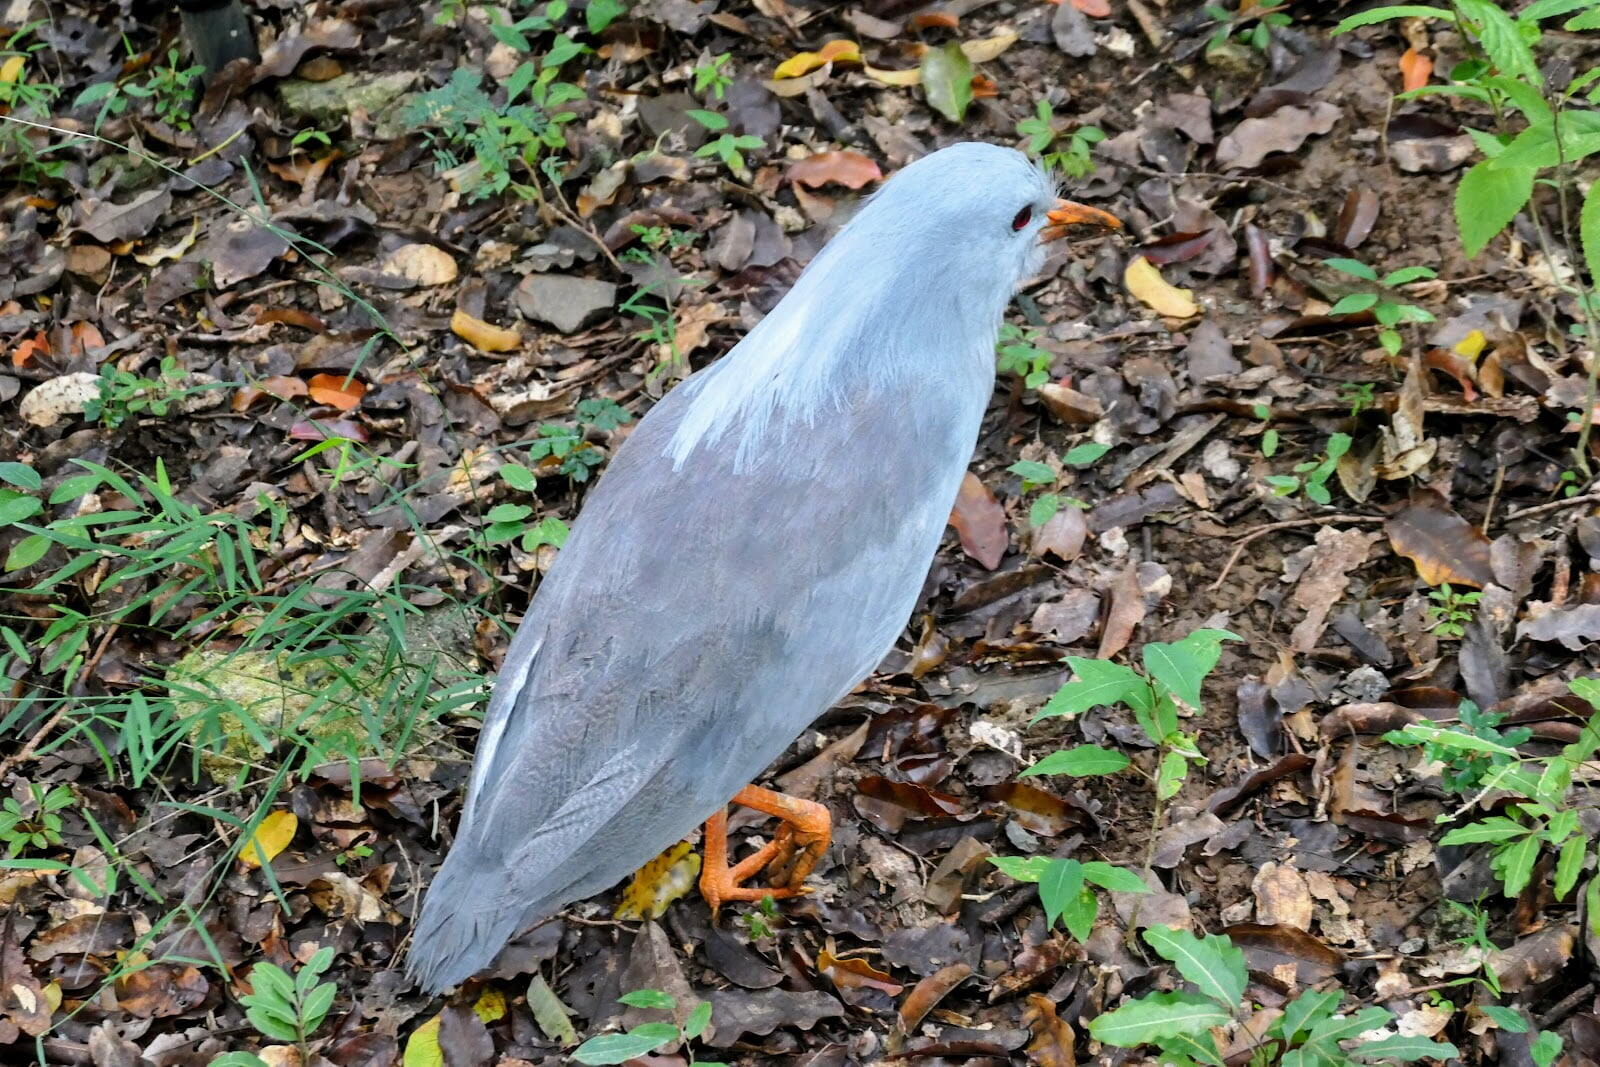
(975, 210)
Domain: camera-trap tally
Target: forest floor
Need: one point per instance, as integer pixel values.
(303, 384)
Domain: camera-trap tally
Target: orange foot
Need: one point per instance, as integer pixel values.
(797, 846)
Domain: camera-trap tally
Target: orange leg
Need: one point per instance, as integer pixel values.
(806, 827)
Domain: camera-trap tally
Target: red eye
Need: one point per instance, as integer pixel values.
(1024, 217)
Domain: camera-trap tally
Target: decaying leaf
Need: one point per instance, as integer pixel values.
(1053, 1043)
(850, 169)
(272, 836)
(981, 522)
(852, 973)
(1444, 546)
(423, 264)
(336, 390)
(1145, 282)
(482, 335)
(1322, 583)
(653, 887)
(67, 394)
(839, 51)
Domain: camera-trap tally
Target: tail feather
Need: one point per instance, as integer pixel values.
(466, 919)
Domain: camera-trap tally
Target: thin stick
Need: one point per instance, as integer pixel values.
(1554, 505)
(1259, 531)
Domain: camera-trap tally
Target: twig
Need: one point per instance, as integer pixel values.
(1259, 531)
(1554, 505)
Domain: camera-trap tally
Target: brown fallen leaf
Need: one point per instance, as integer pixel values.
(850, 169)
(1415, 70)
(1037, 810)
(925, 996)
(1444, 546)
(980, 522)
(336, 390)
(1285, 130)
(22, 996)
(851, 973)
(1144, 282)
(423, 264)
(1053, 1043)
(482, 335)
(1126, 611)
(1534, 959)
(1268, 947)
(1282, 896)
(1322, 584)
(161, 990)
(887, 805)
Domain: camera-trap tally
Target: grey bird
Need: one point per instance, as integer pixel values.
(752, 552)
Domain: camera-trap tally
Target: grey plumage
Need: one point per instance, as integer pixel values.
(752, 552)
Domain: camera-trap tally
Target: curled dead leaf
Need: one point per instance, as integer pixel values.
(482, 335)
(1145, 283)
(837, 51)
(272, 836)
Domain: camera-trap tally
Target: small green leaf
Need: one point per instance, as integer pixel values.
(1406, 1048)
(1115, 879)
(1095, 683)
(1487, 199)
(518, 477)
(1080, 913)
(709, 119)
(1307, 1010)
(1396, 11)
(698, 1020)
(1058, 885)
(27, 552)
(1496, 828)
(1507, 1019)
(21, 475)
(1080, 762)
(1353, 267)
(550, 1013)
(648, 998)
(1545, 1048)
(1354, 303)
(1569, 865)
(947, 76)
(1044, 508)
(620, 1048)
(1022, 868)
(1212, 963)
(1514, 863)
(1589, 234)
(1085, 454)
(1182, 666)
(1032, 472)
(1157, 1016)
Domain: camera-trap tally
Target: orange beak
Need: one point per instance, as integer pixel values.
(1067, 216)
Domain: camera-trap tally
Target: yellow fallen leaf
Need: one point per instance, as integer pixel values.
(422, 1047)
(158, 255)
(658, 883)
(982, 51)
(903, 78)
(1146, 283)
(11, 70)
(482, 335)
(806, 62)
(1470, 346)
(800, 85)
(424, 264)
(270, 838)
(490, 1005)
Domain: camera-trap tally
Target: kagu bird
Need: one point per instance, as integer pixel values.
(751, 554)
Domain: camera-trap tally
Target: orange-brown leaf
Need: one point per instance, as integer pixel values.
(935, 20)
(837, 51)
(1053, 1041)
(483, 335)
(1415, 69)
(1444, 546)
(1095, 9)
(336, 390)
(24, 353)
(981, 522)
(850, 169)
(855, 974)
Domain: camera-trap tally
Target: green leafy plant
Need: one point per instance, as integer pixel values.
(1254, 26)
(33, 824)
(1450, 611)
(712, 77)
(647, 1037)
(1540, 136)
(25, 98)
(1545, 1045)
(507, 140)
(1017, 352)
(169, 90)
(124, 395)
(1172, 677)
(1358, 395)
(1309, 1032)
(728, 147)
(288, 1009)
(1465, 768)
(1070, 156)
(1386, 307)
(1540, 817)
(1036, 475)
(1269, 436)
(1312, 475)
(653, 300)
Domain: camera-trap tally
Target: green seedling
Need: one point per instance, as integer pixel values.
(647, 1037)
(1253, 27)
(1358, 395)
(124, 395)
(288, 1009)
(1070, 153)
(1312, 475)
(1036, 475)
(712, 77)
(1451, 611)
(1465, 768)
(1388, 309)
(728, 147)
(34, 825)
(1269, 436)
(1017, 352)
